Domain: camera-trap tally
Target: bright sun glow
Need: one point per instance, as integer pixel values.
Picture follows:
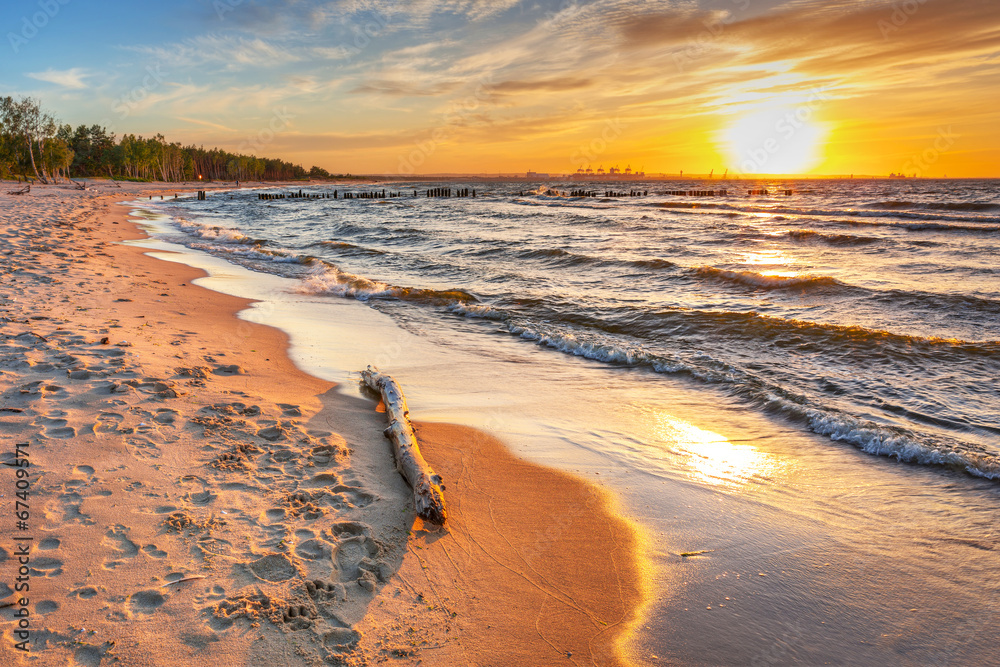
(779, 140)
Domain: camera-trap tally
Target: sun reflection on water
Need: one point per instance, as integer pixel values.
(773, 257)
(712, 458)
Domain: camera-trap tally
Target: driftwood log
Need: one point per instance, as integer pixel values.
(427, 487)
(23, 191)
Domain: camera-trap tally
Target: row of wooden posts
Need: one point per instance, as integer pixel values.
(764, 193)
(630, 193)
(699, 193)
(589, 193)
(466, 192)
(722, 193)
(448, 192)
(377, 194)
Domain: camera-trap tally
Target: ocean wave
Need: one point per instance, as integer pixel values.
(762, 281)
(832, 239)
(330, 280)
(216, 233)
(924, 226)
(653, 263)
(565, 257)
(868, 436)
(934, 206)
(253, 252)
(349, 247)
(558, 253)
(832, 338)
(782, 210)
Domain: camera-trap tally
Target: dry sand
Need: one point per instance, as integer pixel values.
(195, 498)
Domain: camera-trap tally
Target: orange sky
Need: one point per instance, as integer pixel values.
(371, 86)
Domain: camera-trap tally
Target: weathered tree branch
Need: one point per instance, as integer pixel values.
(427, 487)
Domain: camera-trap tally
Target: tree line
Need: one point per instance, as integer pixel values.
(33, 143)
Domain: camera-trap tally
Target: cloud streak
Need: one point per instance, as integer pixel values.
(69, 78)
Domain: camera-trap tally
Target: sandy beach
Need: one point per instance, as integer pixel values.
(193, 497)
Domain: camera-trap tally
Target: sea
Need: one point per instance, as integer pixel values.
(791, 388)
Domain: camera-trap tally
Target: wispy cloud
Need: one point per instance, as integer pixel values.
(205, 123)
(232, 52)
(68, 78)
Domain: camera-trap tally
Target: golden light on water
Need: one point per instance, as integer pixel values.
(773, 257)
(711, 457)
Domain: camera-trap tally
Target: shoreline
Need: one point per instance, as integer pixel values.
(300, 406)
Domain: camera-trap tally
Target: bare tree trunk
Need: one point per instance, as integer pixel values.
(31, 153)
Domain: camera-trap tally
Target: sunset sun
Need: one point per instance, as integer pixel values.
(776, 140)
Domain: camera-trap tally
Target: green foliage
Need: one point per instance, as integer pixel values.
(32, 142)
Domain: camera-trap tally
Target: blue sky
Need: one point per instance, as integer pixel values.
(459, 85)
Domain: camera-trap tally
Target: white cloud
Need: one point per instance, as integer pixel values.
(69, 78)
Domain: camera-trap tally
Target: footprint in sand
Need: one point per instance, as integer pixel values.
(357, 555)
(48, 544)
(323, 454)
(85, 593)
(143, 448)
(230, 369)
(121, 544)
(345, 497)
(83, 470)
(70, 504)
(46, 607)
(153, 551)
(274, 568)
(341, 640)
(273, 433)
(108, 422)
(313, 549)
(321, 591)
(145, 602)
(45, 567)
(298, 617)
(90, 655)
(54, 426)
(165, 416)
